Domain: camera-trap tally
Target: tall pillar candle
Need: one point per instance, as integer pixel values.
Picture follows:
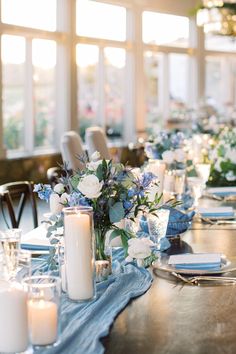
(13, 318)
(79, 256)
(157, 167)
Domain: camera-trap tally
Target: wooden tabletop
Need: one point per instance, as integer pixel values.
(174, 318)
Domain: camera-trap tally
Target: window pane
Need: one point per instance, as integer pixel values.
(221, 43)
(152, 65)
(87, 70)
(178, 84)
(44, 62)
(99, 20)
(30, 13)
(115, 59)
(163, 29)
(213, 82)
(13, 73)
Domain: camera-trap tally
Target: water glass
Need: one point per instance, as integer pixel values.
(196, 189)
(157, 225)
(17, 264)
(43, 304)
(203, 171)
(10, 240)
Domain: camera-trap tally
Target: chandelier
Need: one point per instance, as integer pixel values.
(218, 17)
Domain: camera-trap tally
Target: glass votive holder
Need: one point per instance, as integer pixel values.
(10, 240)
(43, 305)
(79, 244)
(157, 225)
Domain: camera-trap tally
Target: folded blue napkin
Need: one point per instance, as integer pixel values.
(222, 191)
(216, 212)
(201, 266)
(197, 261)
(32, 247)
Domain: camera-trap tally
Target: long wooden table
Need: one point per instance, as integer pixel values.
(173, 318)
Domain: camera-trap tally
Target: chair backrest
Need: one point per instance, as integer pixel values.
(95, 139)
(17, 193)
(71, 148)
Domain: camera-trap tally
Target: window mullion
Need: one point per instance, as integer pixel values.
(29, 100)
(101, 89)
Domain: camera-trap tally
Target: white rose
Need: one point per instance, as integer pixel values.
(95, 156)
(90, 186)
(55, 203)
(217, 164)
(93, 165)
(59, 188)
(64, 198)
(230, 176)
(168, 156)
(139, 248)
(231, 155)
(179, 155)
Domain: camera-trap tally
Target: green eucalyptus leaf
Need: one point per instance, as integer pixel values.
(116, 212)
(74, 181)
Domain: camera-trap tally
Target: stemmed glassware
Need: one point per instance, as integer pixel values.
(157, 226)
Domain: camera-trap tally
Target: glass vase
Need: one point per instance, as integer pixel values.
(103, 261)
(79, 253)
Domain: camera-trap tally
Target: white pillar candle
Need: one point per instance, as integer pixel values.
(169, 182)
(55, 203)
(43, 321)
(79, 257)
(13, 318)
(158, 168)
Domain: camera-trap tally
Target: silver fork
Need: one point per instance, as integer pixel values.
(204, 278)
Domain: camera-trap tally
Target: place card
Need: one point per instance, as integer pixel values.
(195, 258)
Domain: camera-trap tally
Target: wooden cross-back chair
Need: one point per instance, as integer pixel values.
(17, 193)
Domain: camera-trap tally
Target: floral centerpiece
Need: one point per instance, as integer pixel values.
(223, 157)
(165, 145)
(113, 191)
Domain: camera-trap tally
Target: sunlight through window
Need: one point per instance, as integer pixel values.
(163, 29)
(100, 20)
(39, 14)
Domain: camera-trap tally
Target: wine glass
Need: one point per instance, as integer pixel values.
(157, 225)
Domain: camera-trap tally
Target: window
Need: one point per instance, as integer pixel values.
(101, 68)
(44, 65)
(166, 67)
(220, 71)
(165, 29)
(13, 103)
(153, 69)
(87, 57)
(99, 20)
(39, 14)
(178, 64)
(114, 90)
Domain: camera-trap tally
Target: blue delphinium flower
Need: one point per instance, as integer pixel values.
(44, 191)
(146, 178)
(127, 204)
(74, 199)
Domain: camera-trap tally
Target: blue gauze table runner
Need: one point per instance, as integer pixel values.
(82, 325)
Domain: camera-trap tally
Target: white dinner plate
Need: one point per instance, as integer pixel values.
(162, 264)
